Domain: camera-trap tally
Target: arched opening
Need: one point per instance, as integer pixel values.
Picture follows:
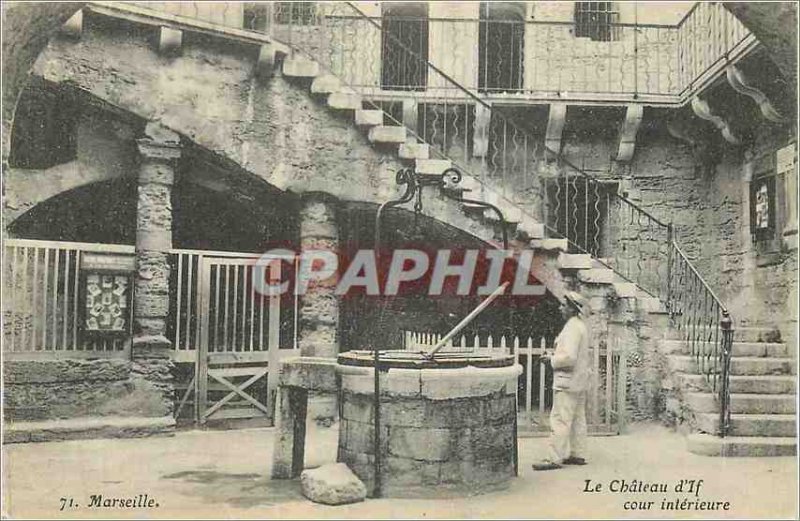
(404, 46)
(501, 44)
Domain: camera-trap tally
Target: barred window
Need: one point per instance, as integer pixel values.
(596, 20)
(501, 46)
(295, 13)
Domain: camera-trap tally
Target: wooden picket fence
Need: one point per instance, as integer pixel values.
(607, 392)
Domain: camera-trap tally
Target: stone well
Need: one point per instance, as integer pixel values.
(447, 425)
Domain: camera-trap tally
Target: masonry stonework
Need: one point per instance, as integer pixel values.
(151, 366)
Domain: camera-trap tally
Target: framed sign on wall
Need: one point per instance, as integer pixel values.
(107, 289)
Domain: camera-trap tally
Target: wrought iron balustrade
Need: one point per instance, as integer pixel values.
(515, 59)
(705, 324)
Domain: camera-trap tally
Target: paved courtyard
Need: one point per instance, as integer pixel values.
(225, 474)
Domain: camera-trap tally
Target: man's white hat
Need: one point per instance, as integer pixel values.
(577, 301)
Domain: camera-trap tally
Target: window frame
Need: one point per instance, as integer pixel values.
(596, 21)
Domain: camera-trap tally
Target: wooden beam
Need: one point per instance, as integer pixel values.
(627, 135)
(737, 80)
(555, 127)
(703, 111)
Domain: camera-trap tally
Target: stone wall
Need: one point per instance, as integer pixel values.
(52, 389)
(442, 429)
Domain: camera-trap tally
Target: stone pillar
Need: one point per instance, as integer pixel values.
(318, 319)
(151, 366)
(319, 306)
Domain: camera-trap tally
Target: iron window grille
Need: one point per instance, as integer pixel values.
(501, 48)
(596, 21)
(404, 47)
(295, 13)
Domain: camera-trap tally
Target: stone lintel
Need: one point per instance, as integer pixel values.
(265, 66)
(307, 372)
(169, 40)
(158, 151)
(74, 26)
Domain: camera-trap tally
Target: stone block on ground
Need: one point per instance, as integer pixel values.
(332, 484)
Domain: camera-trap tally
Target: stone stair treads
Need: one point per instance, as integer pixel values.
(739, 365)
(744, 383)
(744, 403)
(741, 446)
(767, 425)
(387, 134)
(739, 349)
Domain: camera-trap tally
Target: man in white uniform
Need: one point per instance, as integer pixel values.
(571, 376)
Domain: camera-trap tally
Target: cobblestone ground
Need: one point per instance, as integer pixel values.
(225, 474)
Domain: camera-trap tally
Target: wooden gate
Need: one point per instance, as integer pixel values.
(238, 333)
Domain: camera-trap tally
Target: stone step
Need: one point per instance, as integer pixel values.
(369, 118)
(733, 446)
(743, 349)
(596, 276)
(387, 134)
(740, 334)
(300, 68)
(745, 403)
(550, 244)
(432, 166)
(87, 428)
(530, 228)
(750, 424)
(326, 84)
(739, 365)
(625, 289)
(414, 151)
(512, 214)
(650, 304)
(574, 261)
(743, 383)
(344, 101)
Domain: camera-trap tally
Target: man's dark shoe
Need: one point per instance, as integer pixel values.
(574, 460)
(546, 465)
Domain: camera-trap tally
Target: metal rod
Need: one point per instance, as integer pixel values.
(65, 315)
(188, 307)
(178, 303)
(469, 318)
(403, 177)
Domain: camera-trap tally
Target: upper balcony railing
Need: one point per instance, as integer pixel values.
(505, 59)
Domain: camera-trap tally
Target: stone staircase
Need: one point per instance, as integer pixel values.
(521, 226)
(763, 397)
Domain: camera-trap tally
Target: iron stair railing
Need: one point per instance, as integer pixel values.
(705, 325)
